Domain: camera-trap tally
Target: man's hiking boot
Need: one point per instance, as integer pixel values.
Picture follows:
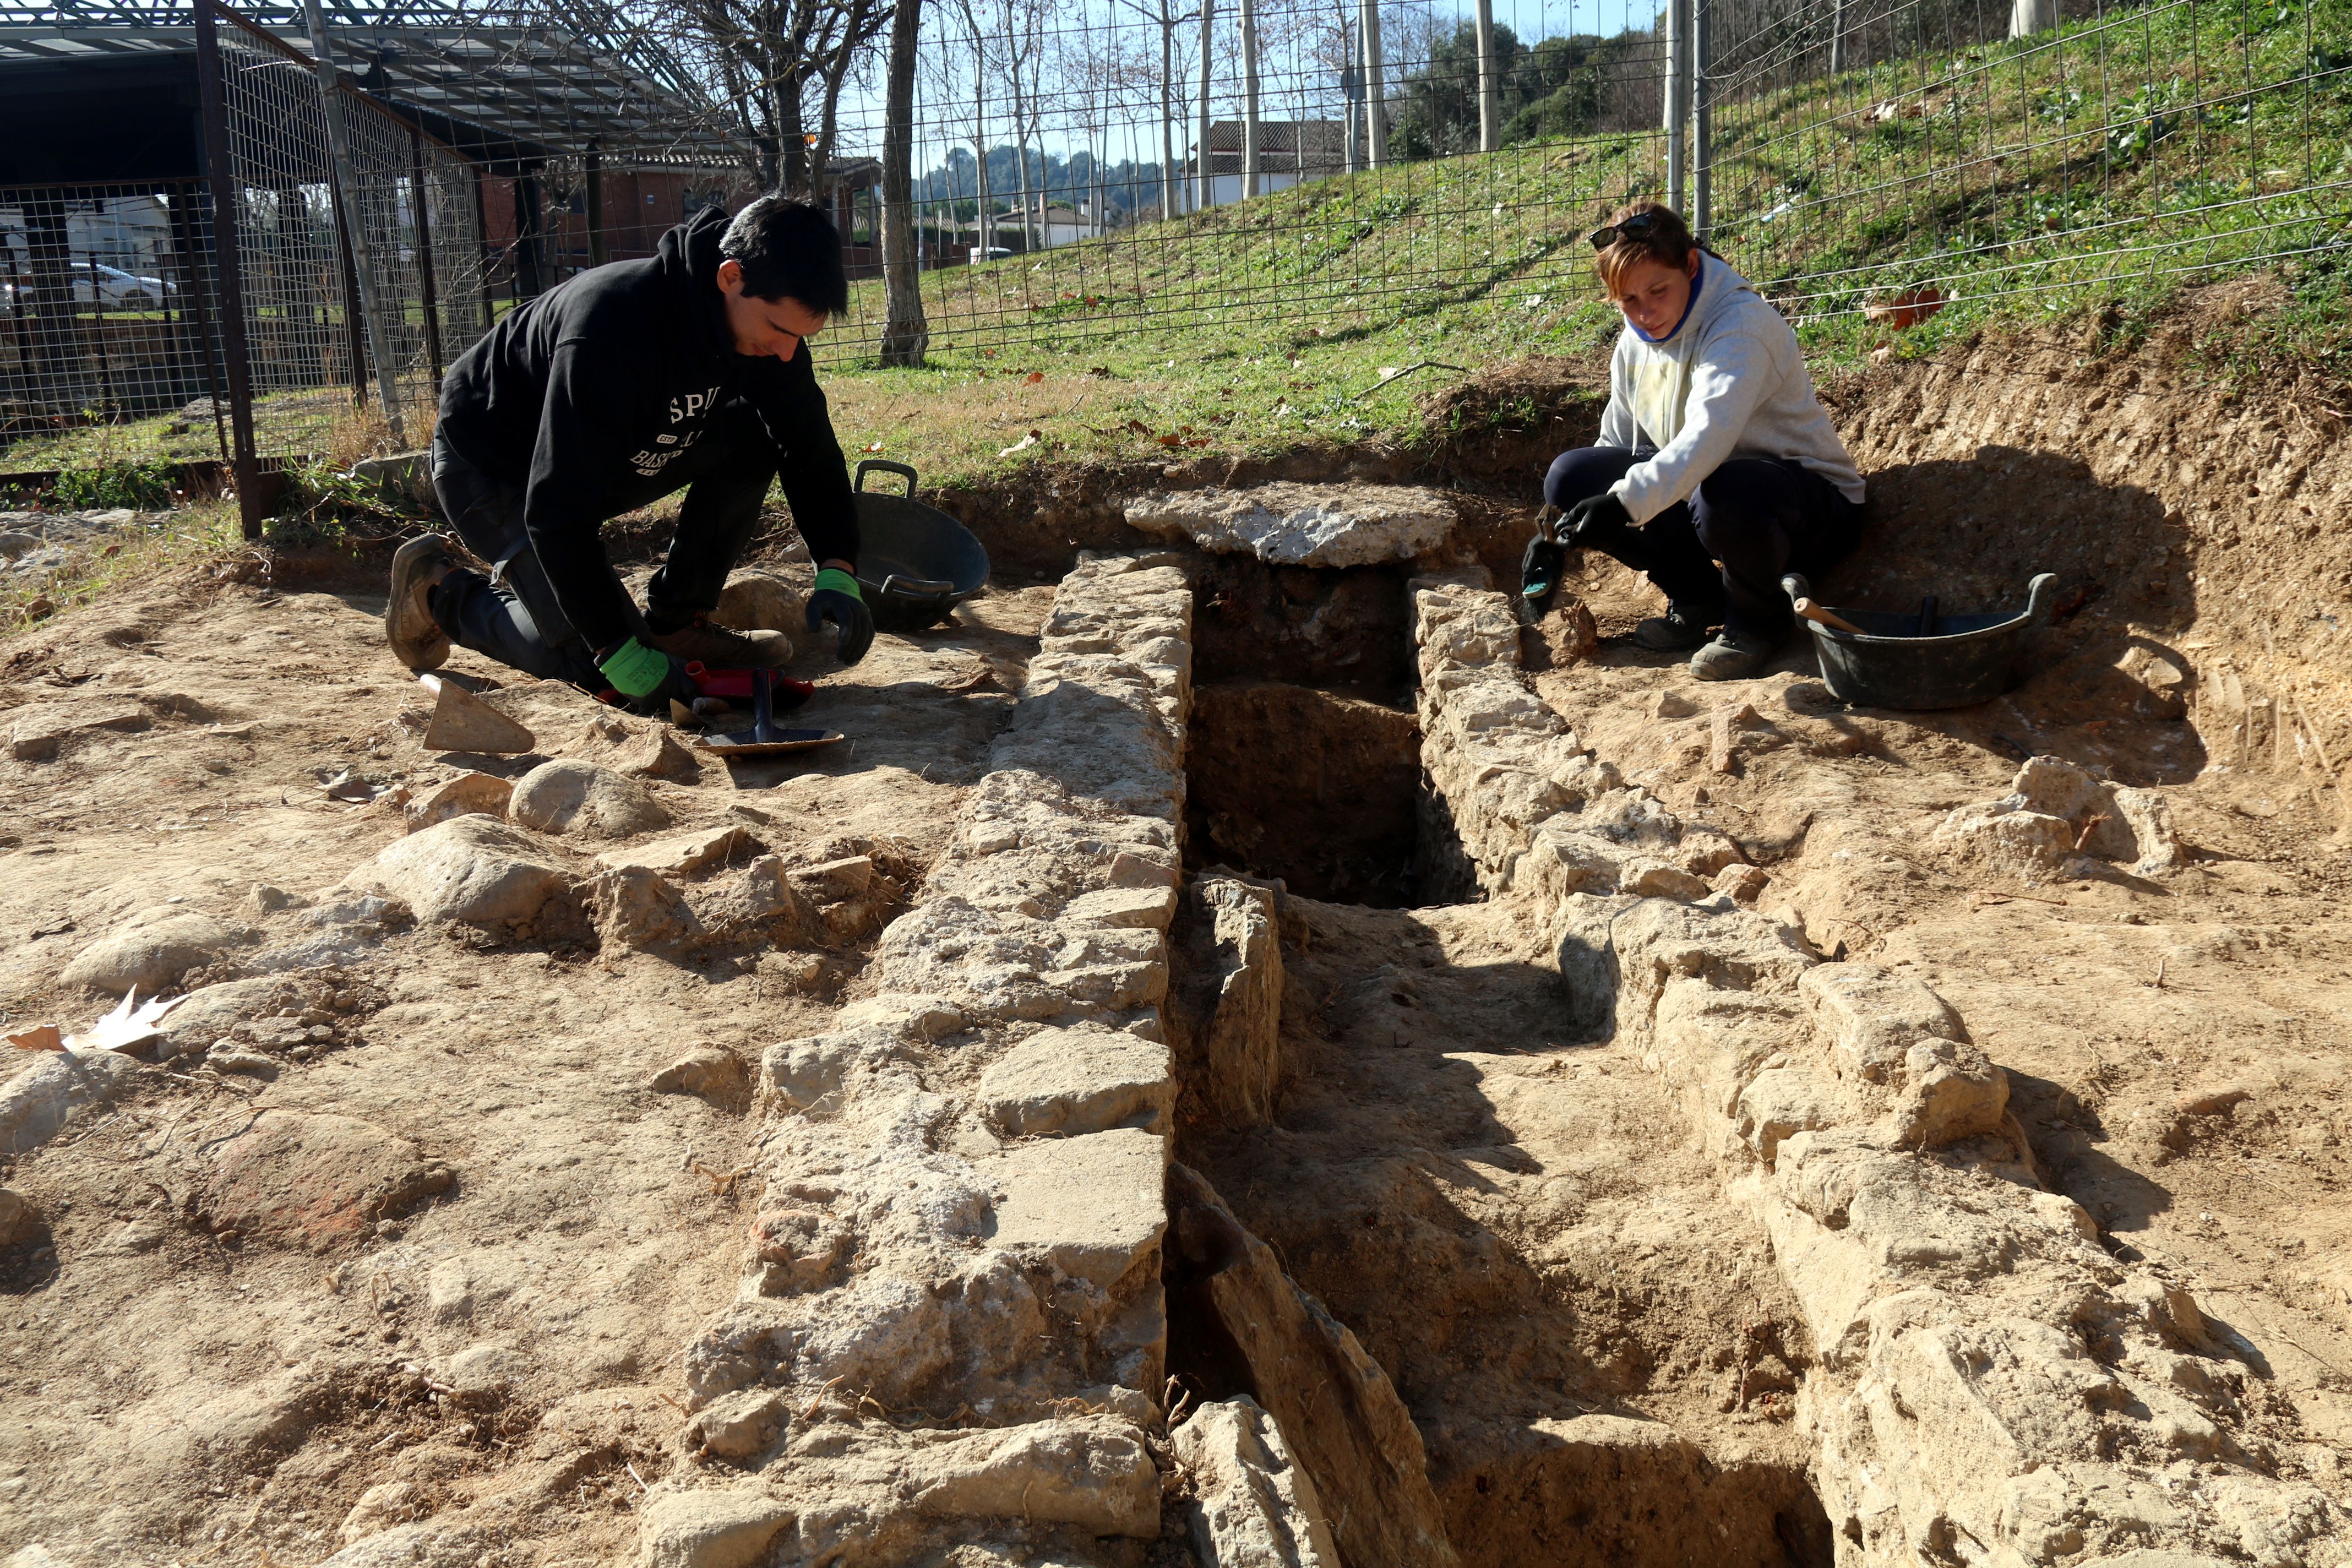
(720, 647)
(408, 624)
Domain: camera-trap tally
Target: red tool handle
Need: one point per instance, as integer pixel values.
(734, 683)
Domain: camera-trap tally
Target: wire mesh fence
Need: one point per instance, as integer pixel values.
(131, 331)
(1085, 172)
(1088, 169)
(107, 292)
(412, 211)
(1890, 156)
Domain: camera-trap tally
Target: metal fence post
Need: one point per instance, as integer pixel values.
(1677, 99)
(420, 198)
(357, 318)
(1702, 53)
(193, 309)
(488, 303)
(1376, 126)
(354, 218)
(593, 180)
(1202, 163)
(221, 174)
(1249, 102)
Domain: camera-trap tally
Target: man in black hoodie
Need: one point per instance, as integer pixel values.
(688, 370)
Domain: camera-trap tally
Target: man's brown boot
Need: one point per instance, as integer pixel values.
(721, 647)
(415, 637)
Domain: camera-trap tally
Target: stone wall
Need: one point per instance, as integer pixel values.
(950, 1327)
(1995, 1385)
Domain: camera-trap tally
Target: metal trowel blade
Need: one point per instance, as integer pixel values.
(776, 742)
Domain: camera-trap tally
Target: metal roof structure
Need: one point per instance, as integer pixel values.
(555, 80)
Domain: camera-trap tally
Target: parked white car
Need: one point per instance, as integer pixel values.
(119, 289)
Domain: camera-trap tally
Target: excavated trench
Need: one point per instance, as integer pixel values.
(1511, 1219)
(1303, 758)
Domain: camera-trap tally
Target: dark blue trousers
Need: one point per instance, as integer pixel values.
(1758, 517)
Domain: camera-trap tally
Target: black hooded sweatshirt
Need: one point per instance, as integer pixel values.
(585, 394)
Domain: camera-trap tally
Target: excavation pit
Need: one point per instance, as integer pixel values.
(1315, 787)
(1303, 759)
(1507, 1215)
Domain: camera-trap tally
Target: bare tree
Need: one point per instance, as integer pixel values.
(905, 334)
(1023, 30)
(976, 35)
(1163, 14)
(770, 57)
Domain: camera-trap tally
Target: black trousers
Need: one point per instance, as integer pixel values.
(513, 617)
(1758, 517)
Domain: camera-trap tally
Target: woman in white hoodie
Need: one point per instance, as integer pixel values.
(1717, 468)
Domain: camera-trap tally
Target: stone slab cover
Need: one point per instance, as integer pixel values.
(1303, 525)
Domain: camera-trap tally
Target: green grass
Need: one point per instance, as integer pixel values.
(2097, 171)
(2092, 173)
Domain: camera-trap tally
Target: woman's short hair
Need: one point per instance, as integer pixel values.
(789, 250)
(1665, 238)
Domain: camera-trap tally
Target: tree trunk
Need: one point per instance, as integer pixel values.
(905, 334)
(791, 152)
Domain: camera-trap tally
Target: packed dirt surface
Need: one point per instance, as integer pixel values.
(475, 1208)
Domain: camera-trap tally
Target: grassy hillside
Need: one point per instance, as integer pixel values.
(2096, 170)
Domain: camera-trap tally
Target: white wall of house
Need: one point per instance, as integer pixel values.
(1224, 189)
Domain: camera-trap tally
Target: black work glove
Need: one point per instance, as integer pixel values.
(837, 599)
(1603, 513)
(1540, 569)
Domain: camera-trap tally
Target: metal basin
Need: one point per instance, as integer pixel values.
(1957, 660)
(915, 563)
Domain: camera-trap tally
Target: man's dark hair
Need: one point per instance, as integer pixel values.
(789, 250)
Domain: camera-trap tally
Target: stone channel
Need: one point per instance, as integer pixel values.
(976, 1259)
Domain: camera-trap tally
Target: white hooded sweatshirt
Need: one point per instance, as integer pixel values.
(1728, 382)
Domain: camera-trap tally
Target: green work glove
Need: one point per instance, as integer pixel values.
(648, 678)
(837, 599)
(635, 670)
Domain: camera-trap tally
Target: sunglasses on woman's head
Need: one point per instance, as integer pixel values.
(1638, 227)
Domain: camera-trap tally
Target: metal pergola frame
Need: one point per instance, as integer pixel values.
(564, 80)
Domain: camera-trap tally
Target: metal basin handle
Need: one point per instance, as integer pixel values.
(867, 465)
(918, 587)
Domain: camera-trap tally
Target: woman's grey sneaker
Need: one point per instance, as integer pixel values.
(1733, 656)
(1669, 633)
(408, 624)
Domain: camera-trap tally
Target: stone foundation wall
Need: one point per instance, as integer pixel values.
(1995, 1386)
(949, 1328)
